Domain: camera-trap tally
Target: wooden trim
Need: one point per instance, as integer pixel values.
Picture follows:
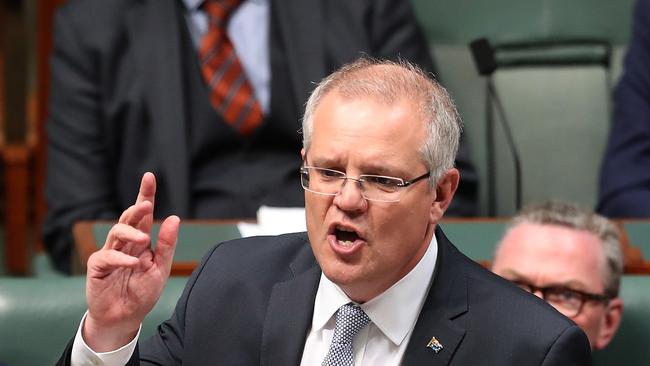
(2, 84)
(183, 268)
(86, 243)
(640, 269)
(633, 261)
(18, 251)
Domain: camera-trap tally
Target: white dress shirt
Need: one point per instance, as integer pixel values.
(392, 314)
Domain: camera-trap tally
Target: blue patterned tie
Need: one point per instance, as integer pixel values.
(350, 319)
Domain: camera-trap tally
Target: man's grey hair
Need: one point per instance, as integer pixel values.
(572, 216)
(392, 82)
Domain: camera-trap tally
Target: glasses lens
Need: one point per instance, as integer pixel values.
(566, 301)
(320, 180)
(381, 188)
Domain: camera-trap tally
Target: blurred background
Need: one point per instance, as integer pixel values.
(554, 66)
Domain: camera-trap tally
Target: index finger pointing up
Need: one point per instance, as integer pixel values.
(147, 193)
(147, 188)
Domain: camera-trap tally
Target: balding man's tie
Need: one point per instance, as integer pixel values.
(350, 319)
(231, 94)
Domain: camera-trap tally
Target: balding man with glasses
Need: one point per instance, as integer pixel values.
(569, 257)
(373, 281)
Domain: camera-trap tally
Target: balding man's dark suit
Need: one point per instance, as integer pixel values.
(127, 97)
(251, 303)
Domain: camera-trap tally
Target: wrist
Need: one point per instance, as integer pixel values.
(107, 336)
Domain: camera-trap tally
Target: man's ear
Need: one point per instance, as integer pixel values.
(302, 153)
(609, 323)
(445, 190)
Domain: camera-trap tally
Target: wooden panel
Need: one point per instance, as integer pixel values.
(17, 248)
(195, 238)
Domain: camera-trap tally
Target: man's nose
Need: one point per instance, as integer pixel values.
(350, 198)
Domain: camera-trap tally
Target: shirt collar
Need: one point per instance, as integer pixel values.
(192, 5)
(381, 310)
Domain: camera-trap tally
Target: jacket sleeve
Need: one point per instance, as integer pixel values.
(79, 183)
(625, 173)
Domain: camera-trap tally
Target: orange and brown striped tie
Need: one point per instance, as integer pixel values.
(231, 93)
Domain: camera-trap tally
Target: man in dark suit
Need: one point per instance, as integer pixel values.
(372, 282)
(625, 173)
(129, 96)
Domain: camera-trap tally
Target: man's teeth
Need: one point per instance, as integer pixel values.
(346, 243)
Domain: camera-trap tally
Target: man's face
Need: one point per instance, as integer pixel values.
(366, 246)
(552, 255)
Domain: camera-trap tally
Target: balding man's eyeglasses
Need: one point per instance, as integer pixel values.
(379, 188)
(567, 301)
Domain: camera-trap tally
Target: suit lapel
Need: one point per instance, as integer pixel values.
(289, 314)
(154, 31)
(291, 307)
(301, 29)
(446, 301)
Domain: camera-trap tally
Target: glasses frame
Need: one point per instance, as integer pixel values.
(360, 180)
(582, 295)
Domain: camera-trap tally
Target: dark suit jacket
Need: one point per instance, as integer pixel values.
(625, 173)
(117, 104)
(251, 301)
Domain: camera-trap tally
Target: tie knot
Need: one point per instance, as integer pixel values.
(350, 319)
(219, 11)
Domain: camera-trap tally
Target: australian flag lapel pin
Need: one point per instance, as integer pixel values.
(435, 345)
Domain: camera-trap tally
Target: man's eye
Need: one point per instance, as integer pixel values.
(569, 295)
(325, 173)
(564, 295)
(385, 182)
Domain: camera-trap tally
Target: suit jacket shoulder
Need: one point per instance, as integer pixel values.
(249, 303)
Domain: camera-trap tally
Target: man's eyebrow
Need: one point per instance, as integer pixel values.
(512, 273)
(366, 168)
(571, 284)
(322, 162)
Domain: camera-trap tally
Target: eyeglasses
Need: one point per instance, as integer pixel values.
(567, 301)
(373, 187)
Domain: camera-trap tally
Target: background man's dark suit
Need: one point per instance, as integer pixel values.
(251, 302)
(127, 98)
(625, 174)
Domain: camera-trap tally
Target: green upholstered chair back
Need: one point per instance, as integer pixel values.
(559, 114)
(39, 316)
(476, 239)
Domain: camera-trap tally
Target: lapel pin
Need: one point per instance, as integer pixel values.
(434, 345)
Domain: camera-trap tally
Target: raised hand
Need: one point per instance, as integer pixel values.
(126, 277)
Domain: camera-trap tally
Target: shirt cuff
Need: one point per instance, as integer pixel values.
(83, 355)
